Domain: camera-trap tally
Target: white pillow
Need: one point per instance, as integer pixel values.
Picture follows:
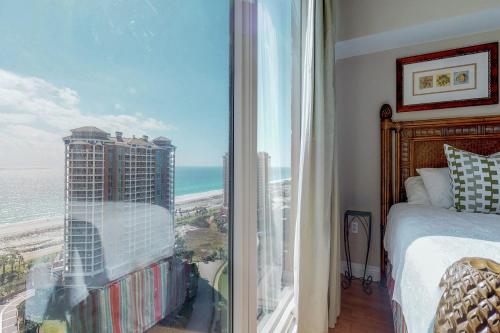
(416, 192)
(437, 182)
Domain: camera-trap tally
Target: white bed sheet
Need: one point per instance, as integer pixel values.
(422, 242)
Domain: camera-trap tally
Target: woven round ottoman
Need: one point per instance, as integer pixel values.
(471, 298)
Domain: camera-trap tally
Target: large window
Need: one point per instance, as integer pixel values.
(277, 93)
(115, 166)
(148, 155)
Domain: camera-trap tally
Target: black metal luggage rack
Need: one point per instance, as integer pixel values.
(365, 221)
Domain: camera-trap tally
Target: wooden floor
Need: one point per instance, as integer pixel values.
(362, 313)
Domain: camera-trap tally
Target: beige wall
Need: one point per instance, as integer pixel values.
(363, 84)
(357, 18)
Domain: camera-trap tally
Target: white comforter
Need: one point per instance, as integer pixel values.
(422, 242)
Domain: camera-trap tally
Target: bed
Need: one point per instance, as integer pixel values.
(418, 242)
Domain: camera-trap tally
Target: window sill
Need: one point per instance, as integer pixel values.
(281, 319)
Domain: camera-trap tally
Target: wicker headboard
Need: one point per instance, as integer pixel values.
(419, 144)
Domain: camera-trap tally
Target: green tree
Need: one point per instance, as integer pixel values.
(12, 262)
(3, 262)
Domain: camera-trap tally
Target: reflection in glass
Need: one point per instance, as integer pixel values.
(274, 162)
(121, 190)
(114, 128)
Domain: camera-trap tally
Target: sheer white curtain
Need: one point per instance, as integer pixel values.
(316, 261)
(273, 157)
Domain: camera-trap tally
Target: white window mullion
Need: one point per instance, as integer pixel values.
(244, 287)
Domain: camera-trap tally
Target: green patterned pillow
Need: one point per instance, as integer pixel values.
(475, 179)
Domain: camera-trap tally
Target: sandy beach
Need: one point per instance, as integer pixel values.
(20, 228)
(45, 236)
(42, 237)
(33, 238)
(199, 200)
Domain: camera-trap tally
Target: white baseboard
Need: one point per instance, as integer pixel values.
(357, 270)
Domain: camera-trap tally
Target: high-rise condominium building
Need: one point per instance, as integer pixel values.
(263, 190)
(273, 223)
(227, 180)
(119, 204)
(265, 251)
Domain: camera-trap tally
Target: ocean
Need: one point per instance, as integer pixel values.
(31, 194)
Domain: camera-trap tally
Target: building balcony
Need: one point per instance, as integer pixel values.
(85, 181)
(84, 186)
(72, 249)
(84, 201)
(85, 192)
(84, 170)
(80, 204)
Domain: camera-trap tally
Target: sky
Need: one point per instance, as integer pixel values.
(154, 67)
(274, 54)
(140, 67)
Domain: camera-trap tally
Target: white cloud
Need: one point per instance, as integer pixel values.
(119, 107)
(35, 114)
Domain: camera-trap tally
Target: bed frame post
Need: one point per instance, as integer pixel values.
(386, 128)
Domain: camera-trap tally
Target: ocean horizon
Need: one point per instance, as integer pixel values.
(37, 193)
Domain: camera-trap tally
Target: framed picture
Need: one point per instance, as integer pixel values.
(448, 79)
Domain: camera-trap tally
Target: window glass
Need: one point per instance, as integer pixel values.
(114, 166)
(275, 227)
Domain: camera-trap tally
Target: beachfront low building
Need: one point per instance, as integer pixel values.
(119, 204)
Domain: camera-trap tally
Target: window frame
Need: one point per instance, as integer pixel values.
(244, 159)
(243, 212)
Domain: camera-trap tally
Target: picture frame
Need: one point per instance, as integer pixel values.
(460, 77)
